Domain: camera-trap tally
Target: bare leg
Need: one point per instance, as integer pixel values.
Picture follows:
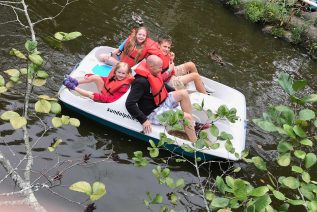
(95, 79)
(84, 92)
(197, 80)
(182, 97)
(108, 59)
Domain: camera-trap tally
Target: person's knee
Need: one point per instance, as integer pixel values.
(191, 66)
(179, 95)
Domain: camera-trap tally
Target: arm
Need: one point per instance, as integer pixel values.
(136, 93)
(121, 47)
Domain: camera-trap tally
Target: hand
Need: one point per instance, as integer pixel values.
(171, 67)
(147, 127)
(172, 56)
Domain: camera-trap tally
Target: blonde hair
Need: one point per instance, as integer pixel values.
(133, 41)
(122, 65)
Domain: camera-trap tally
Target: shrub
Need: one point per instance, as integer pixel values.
(255, 10)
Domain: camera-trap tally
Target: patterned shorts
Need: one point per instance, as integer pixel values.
(169, 104)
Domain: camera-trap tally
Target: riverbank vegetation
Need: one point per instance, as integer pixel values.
(291, 20)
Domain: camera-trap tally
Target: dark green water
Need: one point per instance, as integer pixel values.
(198, 27)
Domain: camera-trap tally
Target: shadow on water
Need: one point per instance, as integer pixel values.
(253, 61)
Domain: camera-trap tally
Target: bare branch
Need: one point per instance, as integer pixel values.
(68, 2)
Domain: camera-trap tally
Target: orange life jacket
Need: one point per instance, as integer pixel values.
(131, 57)
(158, 89)
(112, 85)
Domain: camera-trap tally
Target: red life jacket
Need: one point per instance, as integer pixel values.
(112, 85)
(131, 57)
(158, 89)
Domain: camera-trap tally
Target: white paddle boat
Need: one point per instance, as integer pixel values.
(116, 116)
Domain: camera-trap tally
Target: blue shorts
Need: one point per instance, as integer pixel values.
(168, 104)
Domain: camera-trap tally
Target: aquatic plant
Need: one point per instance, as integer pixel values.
(294, 125)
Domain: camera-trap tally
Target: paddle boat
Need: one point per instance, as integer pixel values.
(116, 116)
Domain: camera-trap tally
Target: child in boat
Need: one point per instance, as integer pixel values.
(178, 76)
(110, 88)
(134, 49)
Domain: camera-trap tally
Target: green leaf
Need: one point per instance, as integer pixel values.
(63, 36)
(299, 85)
(57, 122)
(310, 160)
(17, 53)
(221, 184)
(154, 152)
(152, 143)
(12, 72)
(9, 84)
(306, 114)
(300, 154)
(14, 79)
(284, 146)
(166, 172)
(180, 183)
(98, 190)
(18, 122)
(197, 107)
(265, 125)
(259, 191)
(170, 182)
(259, 163)
(187, 148)
(6, 116)
(289, 130)
(2, 82)
(240, 189)
(284, 160)
(306, 142)
(214, 130)
(286, 82)
(158, 199)
(297, 169)
(46, 97)
(230, 181)
(42, 106)
(214, 146)
(42, 74)
(291, 182)
(306, 177)
(3, 89)
(23, 71)
(72, 35)
(262, 202)
(209, 195)
(299, 131)
(31, 46)
(310, 98)
(278, 195)
(219, 202)
(81, 186)
(296, 201)
(75, 122)
(173, 199)
(54, 146)
(55, 108)
(65, 119)
(36, 59)
(39, 82)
